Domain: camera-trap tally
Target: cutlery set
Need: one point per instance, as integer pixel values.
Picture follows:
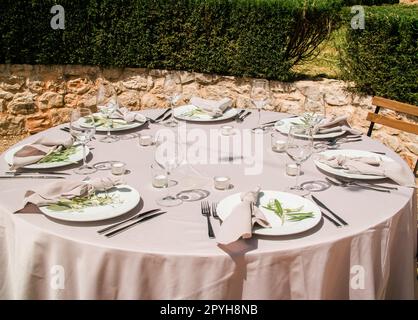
(129, 223)
(341, 222)
(240, 117)
(162, 117)
(361, 185)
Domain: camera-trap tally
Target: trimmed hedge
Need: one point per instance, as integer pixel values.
(382, 59)
(369, 2)
(261, 38)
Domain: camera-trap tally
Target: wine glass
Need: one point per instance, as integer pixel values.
(314, 108)
(107, 104)
(299, 148)
(260, 94)
(82, 128)
(173, 90)
(169, 158)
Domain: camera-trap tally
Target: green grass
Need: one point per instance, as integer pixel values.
(325, 63)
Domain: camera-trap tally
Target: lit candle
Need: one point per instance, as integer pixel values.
(278, 145)
(145, 140)
(291, 169)
(222, 183)
(160, 181)
(118, 168)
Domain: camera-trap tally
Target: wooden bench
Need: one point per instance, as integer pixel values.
(401, 125)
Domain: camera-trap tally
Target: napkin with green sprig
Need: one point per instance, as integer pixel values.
(242, 219)
(40, 149)
(213, 108)
(61, 192)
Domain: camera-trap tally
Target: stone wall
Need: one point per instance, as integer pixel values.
(34, 98)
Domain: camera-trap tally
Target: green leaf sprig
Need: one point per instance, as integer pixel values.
(288, 214)
(80, 203)
(59, 155)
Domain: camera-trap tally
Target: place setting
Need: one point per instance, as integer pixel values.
(55, 151)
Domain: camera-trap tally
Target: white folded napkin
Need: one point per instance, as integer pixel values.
(67, 189)
(242, 219)
(335, 125)
(371, 166)
(215, 108)
(127, 115)
(34, 152)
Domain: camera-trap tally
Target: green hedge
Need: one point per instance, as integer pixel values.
(369, 2)
(382, 59)
(262, 38)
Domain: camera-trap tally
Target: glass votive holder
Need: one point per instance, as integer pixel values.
(159, 176)
(118, 168)
(227, 130)
(291, 169)
(278, 144)
(222, 183)
(145, 140)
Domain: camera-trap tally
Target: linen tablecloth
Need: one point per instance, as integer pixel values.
(171, 257)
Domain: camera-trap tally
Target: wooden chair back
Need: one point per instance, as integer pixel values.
(401, 125)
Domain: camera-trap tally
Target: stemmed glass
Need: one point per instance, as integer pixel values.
(299, 148)
(314, 108)
(260, 95)
(82, 128)
(107, 104)
(170, 159)
(173, 90)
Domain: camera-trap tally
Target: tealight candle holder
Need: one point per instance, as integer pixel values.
(145, 140)
(227, 130)
(222, 183)
(118, 168)
(278, 144)
(159, 177)
(292, 169)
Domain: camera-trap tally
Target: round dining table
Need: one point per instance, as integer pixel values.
(172, 257)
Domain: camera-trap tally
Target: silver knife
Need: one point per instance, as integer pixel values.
(330, 211)
(37, 173)
(31, 177)
(239, 114)
(162, 115)
(113, 233)
(244, 116)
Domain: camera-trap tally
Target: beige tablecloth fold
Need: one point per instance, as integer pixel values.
(242, 219)
(128, 115)
(335, 124)
(371, 166)
(67, 189)
(34, 152)
(213, 107)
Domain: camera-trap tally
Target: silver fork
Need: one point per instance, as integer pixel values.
(214, 212)
(345, 184)
(206, 212)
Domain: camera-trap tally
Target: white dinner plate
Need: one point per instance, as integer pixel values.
(350, 153)
(127, 199)
(283, 126)
(181, 113)
(121, 125)
(77, 156)
(287, 200)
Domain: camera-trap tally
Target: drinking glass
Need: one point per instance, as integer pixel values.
(299, 148)
(314, 108)
(107, 104)
(173, 90)
(170, 159)
(260, 95)
(82, 128)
